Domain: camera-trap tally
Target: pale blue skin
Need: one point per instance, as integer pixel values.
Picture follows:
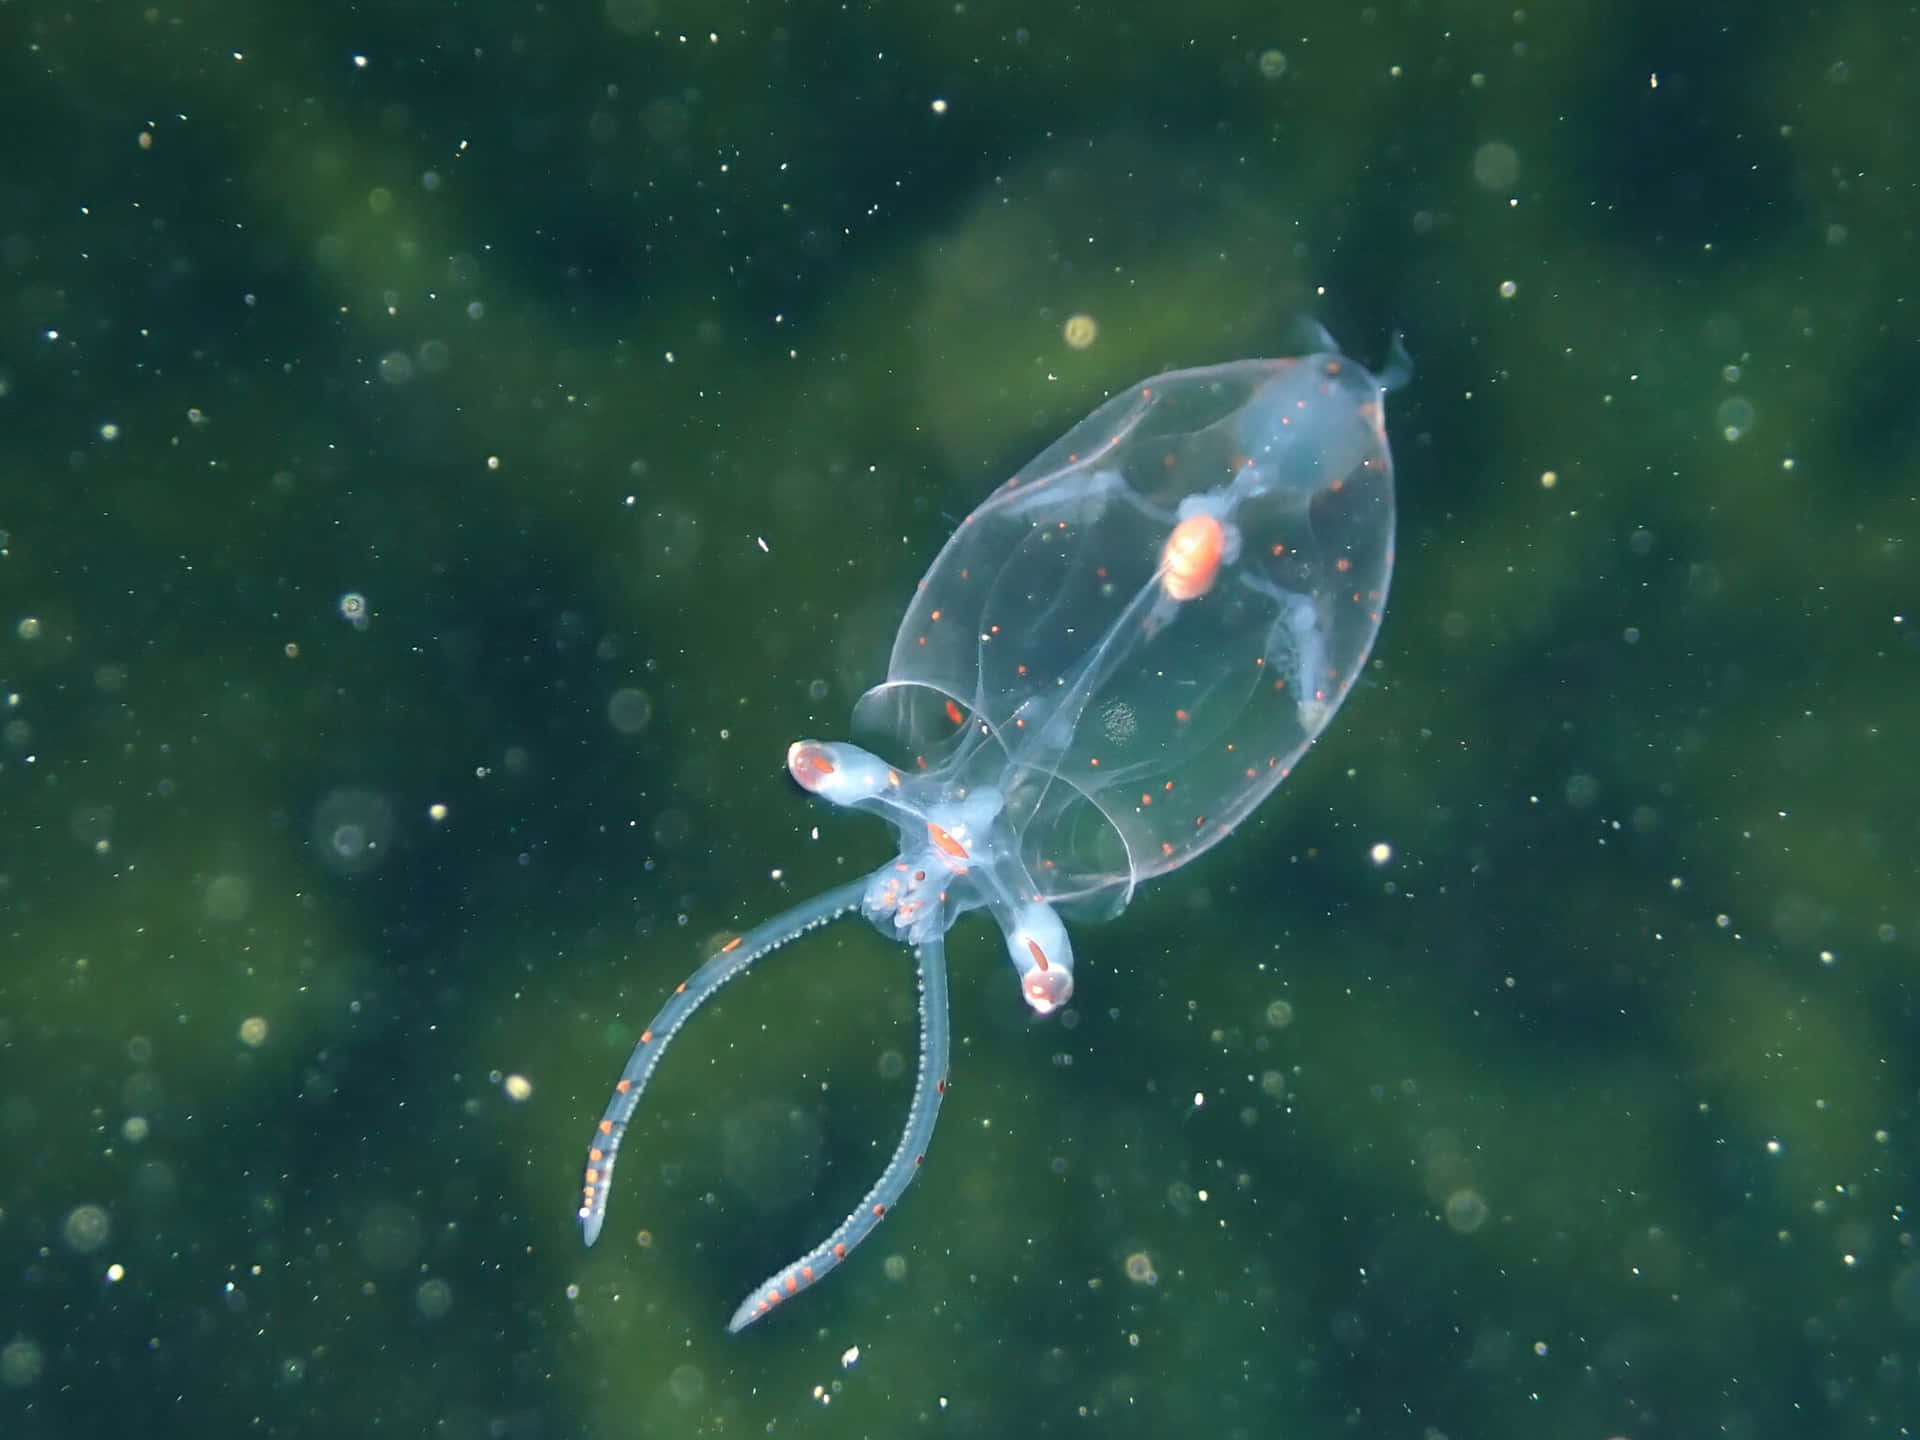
(1090, 701)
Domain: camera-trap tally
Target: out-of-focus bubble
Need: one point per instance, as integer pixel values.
(389, 1237)
(155, 1182)
(630, 710)
(351, 830)
(688, 1383)
(21, 1362)
(86, 1228)
(228, 897)
(1496, 165)
(142, 1090)
(433, 1299)
(92, 826)
(773, 1152)
(18, 1117)
(1466, 1210)
(1734, 417)
(671, 829)
(670, 542)
(632, 17)
(1906, 1292)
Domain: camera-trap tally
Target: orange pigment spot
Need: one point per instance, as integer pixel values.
(945, 843)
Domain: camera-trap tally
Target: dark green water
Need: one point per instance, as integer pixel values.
(642, 346)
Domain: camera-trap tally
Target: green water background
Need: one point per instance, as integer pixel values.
(631, 360)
